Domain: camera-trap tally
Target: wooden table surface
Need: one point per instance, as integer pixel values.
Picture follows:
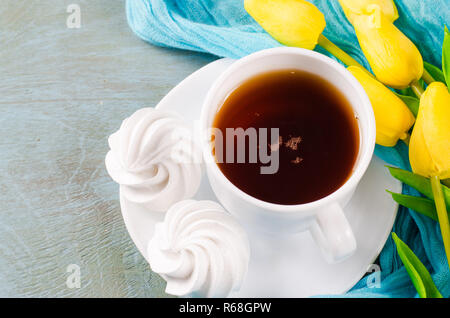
(63, 91)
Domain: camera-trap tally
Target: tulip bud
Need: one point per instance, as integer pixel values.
(353, 8)
(392, 117)
(295, 23)
(429, 151)
(394, 59)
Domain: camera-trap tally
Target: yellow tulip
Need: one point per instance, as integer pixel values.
(393, 118)
(394, 59)
(291, 22)
(353, 8)
(429, 151)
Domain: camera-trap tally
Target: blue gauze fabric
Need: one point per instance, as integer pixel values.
(223, 28)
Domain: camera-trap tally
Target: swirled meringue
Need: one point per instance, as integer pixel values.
(154, 159)
(200, 250)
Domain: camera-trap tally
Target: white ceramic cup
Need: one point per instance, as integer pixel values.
(324, 218)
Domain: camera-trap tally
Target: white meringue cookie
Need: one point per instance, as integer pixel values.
(154, 159)
(200, 250)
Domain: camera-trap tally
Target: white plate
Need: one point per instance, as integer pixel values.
(285, 266)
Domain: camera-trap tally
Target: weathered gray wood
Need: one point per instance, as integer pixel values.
(62, 93)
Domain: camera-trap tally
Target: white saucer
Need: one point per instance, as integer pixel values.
(285, 266)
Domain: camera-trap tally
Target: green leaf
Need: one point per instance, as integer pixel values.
(446, 182)
(419, 274)
(446, 56)
(407, 92)
(421, 205)
(412, 103)
(434, 71)
(421, 184)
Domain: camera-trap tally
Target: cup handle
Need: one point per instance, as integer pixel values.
(333, 234)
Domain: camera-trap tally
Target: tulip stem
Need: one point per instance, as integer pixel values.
(441, 209)
(338, 52)
(417, 89)
(427, 77)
